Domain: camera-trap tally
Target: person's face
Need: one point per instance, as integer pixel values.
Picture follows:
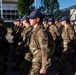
(34, 21)
(24, 22)
(44, 22)
(75, 23)
(21, 22)
(56, 22)
(63, 22)
(14, 23)
(50, 23)
(72, 23)
(18, 23)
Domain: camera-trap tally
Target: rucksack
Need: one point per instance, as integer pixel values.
(51, 43)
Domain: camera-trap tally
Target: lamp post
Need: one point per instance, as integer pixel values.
(1, 9)
(35, 4)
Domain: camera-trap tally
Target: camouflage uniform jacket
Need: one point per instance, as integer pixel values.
(75, 28)
(53, 30)
(42, 52)
(23, 34)
(46, 26)
(58, 26)
(67, 36)
(15, 27)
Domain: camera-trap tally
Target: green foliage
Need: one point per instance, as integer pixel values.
(50, 7)
(57, 14)
(24, 6)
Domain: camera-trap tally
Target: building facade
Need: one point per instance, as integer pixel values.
(70, 12)
(9, 11)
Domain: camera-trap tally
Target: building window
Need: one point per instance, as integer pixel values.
(8, 12)
(17, 12)
(4, 12)
(17, 16)
(8, 17)
(13, 17)
(0, 12)
(4, 16)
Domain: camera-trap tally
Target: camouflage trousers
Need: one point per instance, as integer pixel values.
(36, 65)
(35, 69)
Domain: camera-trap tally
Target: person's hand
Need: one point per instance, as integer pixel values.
(42, 71)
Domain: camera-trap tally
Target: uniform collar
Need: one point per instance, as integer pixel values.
(35, 27)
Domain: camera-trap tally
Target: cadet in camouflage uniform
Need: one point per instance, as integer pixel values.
(38, 46)
(15, 33)
(75, 40)
(52, 28)
(14, 28)
(57, 23)
(26, 23)
(58, 40)
(67, 36)
(26, 62)
(45, 23)
(74, 27)
(16, 41)
(72, 23)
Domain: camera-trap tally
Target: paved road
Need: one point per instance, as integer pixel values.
(52, 71)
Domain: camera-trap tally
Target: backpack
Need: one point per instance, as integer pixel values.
(51, 43)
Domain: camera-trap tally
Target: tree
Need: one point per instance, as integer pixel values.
(24, 7)
(50, 7)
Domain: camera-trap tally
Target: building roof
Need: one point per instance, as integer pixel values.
(68, 8)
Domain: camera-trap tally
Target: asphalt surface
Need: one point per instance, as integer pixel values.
(52, 70)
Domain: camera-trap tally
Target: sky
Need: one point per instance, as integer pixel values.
(66, 3)
(63, 3)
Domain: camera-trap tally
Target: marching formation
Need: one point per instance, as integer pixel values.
(38, 38)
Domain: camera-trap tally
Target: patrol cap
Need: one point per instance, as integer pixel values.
(56, 19)
(65, 18)
(51, 19)
(24, 18)
(74, 20)
(17, 20)
(45, 19)
(35, 14)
